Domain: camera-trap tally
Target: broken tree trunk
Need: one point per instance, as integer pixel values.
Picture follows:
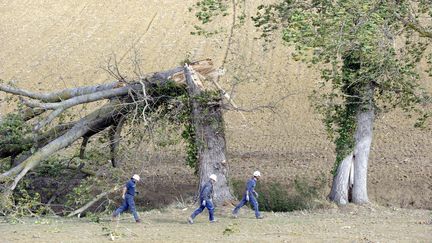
(123, 98)
(210, 138)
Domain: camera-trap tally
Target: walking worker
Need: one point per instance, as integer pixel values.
(250, 196)
(128, 195)
(206, 194)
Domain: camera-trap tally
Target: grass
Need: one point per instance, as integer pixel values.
(338, 225)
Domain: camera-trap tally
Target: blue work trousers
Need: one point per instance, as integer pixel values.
(252, 201)
(209, 205)
(128, 203)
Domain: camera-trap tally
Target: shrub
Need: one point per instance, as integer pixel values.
(13, 130)
(276, 197)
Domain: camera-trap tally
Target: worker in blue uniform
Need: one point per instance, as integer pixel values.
(250, 196)
(128, 195)
(206, 201)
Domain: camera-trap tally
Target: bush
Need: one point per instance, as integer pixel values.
(13, 131)
(22, 202)
(276, 197)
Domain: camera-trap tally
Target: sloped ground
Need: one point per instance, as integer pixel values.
(351, 224)
(47, 45)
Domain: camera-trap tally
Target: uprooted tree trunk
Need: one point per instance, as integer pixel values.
(350, 182)
(210, 136)
(123, 97)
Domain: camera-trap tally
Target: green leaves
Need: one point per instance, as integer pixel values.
(335, 30)
(13, 131)
(206, 10)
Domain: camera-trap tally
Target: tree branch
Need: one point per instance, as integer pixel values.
(89, 204)
(59, 95)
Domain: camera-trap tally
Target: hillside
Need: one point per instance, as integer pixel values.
(47, 45)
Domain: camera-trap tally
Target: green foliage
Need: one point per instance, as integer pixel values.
(206, 101)
(273, 196)
(203, 32)
(13, 131)
(27, 204)
(50, 167)
(83, 193)
(189, 136)
(206, 10)
(326, 33)
(353, 44)
(23, 202)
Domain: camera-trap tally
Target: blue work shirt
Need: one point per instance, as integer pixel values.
(206, 191)
(130, 187)
(250, 186)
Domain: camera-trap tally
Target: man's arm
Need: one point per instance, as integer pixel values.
(255, 193)
(249, 187)
(124, 192)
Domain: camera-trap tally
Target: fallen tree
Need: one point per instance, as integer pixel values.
(47, 136)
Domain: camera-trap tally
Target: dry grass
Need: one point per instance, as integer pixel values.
(350, 224)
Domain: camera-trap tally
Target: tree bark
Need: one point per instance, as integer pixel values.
(59, 95)
(341, 181)
(352, 171)
(115, 136)
(363, 141)
(210, 139)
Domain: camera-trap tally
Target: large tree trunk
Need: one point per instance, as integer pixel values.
(363, 141)
(352, 171)
(210, 138)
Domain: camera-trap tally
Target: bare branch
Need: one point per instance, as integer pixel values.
(59, 95)
(89, 204)
(48, 119)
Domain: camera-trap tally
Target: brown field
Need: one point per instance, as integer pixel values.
(47, 45)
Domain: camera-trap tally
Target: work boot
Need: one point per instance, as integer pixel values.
(260, 217)
(138, 221)
(190, 220)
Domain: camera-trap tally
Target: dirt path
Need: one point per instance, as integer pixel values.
(351, 224)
